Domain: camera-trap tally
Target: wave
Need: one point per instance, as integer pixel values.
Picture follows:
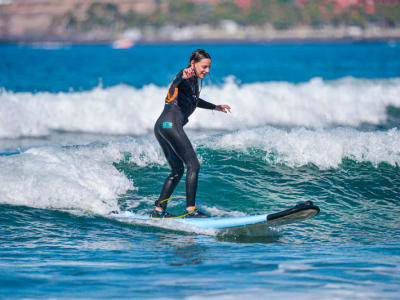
(296, 147)
(86, 177)
(324, 148)
(63, 178)
(126, 110)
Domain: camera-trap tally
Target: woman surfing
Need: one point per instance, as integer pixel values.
(181, 101)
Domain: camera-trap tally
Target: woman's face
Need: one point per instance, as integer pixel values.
(202, 68)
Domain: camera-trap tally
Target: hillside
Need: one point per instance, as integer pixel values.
(182, 20)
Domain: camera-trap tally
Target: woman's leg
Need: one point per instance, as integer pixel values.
(177, 139)
(174, 177)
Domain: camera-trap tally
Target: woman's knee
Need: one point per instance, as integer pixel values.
(193, 166)
(180, 171)
(177, 173)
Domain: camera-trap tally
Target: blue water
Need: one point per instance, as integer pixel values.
(312, 122)
(83, 67)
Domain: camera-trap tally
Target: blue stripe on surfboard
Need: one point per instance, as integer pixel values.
(226, 222)
(205, 223)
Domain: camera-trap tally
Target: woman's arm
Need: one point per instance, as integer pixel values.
(204, 104)
(173, 88)
(207, 105)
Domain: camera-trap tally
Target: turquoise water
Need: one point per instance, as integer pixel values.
(309, 122)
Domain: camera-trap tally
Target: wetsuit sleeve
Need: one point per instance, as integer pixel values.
(173, 88)
(204, 104)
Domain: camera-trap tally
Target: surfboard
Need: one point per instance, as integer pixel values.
(298, 213)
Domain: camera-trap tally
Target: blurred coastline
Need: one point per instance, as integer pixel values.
(125, 23)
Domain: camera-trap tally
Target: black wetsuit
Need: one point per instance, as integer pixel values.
(181, 101)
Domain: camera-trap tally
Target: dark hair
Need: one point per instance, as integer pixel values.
(197, 56)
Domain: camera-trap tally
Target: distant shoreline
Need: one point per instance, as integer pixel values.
(222, 41)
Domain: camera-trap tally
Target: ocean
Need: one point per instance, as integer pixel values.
(316, 122)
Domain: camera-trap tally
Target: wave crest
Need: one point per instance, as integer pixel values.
(126, 110)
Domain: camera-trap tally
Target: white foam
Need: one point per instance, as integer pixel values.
(315, 104)
(126, 110)
(218, 212)
(63, 178)
(117, 110)
(325, 148)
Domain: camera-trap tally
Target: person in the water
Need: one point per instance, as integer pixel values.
(180, 103)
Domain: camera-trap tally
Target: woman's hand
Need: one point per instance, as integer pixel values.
(223, 107)
(187, 73)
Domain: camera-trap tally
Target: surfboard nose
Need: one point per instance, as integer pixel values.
(301, 211)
